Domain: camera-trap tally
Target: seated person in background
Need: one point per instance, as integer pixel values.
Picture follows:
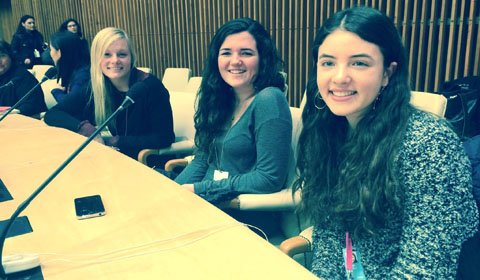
(243, 122)
(72, 64)
(15, 82)
(373, 170)
(73, 27)
(147, 123)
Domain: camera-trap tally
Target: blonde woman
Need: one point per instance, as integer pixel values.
(147, 123)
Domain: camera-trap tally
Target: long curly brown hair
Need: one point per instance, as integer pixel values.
(216, 99)
(349, 176)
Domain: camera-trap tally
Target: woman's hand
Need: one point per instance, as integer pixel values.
(112, 141)
(59, 86)
(99, 139)
(86, 129)
(189, 187)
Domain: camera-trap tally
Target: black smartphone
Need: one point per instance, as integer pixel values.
(89, 207)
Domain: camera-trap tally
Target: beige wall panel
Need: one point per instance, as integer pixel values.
(441, 37)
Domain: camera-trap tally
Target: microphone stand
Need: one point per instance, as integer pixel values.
(127, 102)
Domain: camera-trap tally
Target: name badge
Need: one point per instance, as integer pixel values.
(219, 175)
(357, 271)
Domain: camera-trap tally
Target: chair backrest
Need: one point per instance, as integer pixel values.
(292, 224)
(39, 70)
(176, 78)
(47, 87)
(429, 102)
(183, 110)
(296, 130)
(145, 69)
(194, 84)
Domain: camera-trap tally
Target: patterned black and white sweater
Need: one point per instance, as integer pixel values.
(439, 213)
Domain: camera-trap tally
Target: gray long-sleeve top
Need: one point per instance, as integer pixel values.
(255, 152)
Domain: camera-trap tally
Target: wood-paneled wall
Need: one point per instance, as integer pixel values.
(442, 37)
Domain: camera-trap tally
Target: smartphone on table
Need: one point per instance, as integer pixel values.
(89, 207)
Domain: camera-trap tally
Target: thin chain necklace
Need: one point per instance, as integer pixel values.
(240, 109)
(239, 113)
(219, 161)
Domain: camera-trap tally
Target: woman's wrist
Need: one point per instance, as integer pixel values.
(85, 128)
(112, 141)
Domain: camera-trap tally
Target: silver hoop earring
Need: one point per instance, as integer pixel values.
(375, 103)
(317, 96)
(378, 98)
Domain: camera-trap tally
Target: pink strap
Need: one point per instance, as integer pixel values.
(349, 253)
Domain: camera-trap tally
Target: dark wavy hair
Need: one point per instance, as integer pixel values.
(23, 19)
(72, 57)
(216, 99)
(349, 176)
(64, 26)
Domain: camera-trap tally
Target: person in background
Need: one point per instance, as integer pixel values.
(71, 25)
(27, 43)
(15, 82)
(147, 123)
(72, 63)
(243, 122)
(376, 173)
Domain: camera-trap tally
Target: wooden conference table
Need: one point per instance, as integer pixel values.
(153, 228)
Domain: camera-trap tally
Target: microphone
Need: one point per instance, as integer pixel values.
(25, 263)
(50, 74)
(133, 93)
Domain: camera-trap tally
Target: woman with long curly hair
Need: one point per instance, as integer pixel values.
(243, 122)
(374, 171)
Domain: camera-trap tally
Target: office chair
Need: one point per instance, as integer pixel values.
(176, 79)
(183, 110)
(193, 85)
(429, 102)
(145, 69)
(39, 70)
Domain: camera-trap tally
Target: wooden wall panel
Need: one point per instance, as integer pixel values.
(442, 37)
(8, 24)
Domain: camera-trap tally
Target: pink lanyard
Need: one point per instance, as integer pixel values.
(349, 254)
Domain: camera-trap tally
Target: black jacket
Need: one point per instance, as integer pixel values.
(23, 82)
(23, 46)
(147, 124)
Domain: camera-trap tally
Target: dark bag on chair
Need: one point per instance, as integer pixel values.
(463, 106)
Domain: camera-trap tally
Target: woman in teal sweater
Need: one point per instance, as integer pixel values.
(243, 122)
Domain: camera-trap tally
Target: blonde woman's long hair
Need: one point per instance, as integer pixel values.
(102, 98)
